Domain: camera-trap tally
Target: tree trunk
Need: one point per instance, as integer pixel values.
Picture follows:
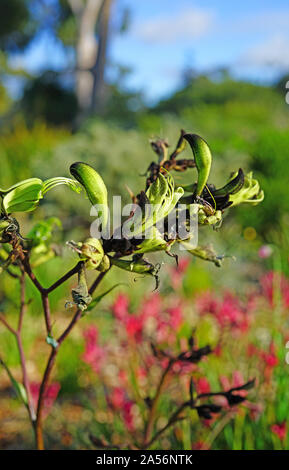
(98, 92)
(86, 14)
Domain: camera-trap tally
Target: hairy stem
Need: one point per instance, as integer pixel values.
(50, 365)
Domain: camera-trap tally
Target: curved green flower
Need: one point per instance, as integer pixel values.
(162, 198)
(25, 195)
(249, 193)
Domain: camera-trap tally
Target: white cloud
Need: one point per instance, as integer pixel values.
(273, 52)
(269, 21)
(189, 24)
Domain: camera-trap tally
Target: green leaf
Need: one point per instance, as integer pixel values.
(18, 387)
(52, 341)
(97, 299)
(139, 266)
(206, 253)
(42, 231)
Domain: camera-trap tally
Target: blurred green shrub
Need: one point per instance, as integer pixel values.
(45, 98)
(21, 146)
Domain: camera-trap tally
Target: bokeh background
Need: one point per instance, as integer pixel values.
(94, 81)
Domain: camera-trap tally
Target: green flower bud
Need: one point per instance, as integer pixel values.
(104, 264)
(163, 198)
(93, 185)
(212, 219)
(233, 186)
(9, 227)
(91, 252)
(25, 195)
(203, 160)
(4, 224)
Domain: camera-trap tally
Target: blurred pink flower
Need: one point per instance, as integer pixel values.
(218, 350)
(227, 311)
(134, 326)
(203, 386)
(93, 353)
(280, 430)
(206, 303)
(128, 415)
(151, 306)
(252, 350)
(271, 279)
(199, 445)
(270, 358)
(265, 251)
(236, 381)
(183, 368)
(176, 316)
(117, 398)
(177, 272)
(49, 397)
(120, 307)
(90, 334)
(255, 409)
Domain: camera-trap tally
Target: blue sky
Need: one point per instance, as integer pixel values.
(165, 36)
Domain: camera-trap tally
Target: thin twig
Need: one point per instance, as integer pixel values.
(30, 405)
(17, 334)
(174, 418)
(28, 270)
(25, 380)
(8, 326)
(46, 310)
(64, 278)
(153, 409)
(22, 302)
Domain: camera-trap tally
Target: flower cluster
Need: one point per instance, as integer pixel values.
(152, 345)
